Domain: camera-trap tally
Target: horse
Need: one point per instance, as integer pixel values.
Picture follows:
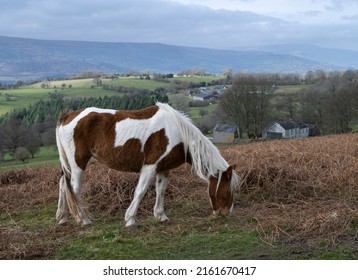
(151, 142)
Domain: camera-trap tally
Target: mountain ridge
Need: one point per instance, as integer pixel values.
(340, 57)
(31, 59)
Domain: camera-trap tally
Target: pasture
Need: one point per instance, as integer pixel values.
(46, 155)
(297, 200)
(29, 94)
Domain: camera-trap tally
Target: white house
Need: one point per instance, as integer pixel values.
(287, 129)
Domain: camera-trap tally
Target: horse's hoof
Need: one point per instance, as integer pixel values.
(86, 224)
(62, 222)
(162, 218)
(133, 227)
(164, 221)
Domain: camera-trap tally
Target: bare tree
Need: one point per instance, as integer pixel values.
(247, 103)
(340, 110)
(15, 134)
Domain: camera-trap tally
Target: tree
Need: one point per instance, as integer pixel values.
(97, 81)
(13, 135)
(179, 102)
(247, 104)
(312, 107)
(309, 78)
(33, 141)
(340, 110)
(228, 75)
(22, 154)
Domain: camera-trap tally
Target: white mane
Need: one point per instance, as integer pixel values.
(206, 158)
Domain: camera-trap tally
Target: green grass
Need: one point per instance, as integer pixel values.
(194, 112)
(45, 156)
(198, 79)
(25, 96)
(187, 237)
(122, 245)
(75, 83)
(291, 88)
(209, 238)
(138, 83)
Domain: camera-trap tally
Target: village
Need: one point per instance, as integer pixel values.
(229, 133)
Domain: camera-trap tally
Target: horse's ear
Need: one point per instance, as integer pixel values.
(229, 170)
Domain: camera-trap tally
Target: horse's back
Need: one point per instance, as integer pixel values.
(123, 140)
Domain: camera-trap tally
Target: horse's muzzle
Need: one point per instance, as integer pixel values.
(223, 211)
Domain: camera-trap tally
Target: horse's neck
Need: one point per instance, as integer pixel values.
(206, 159)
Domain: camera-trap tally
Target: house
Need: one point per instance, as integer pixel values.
(286, 129)
(204, 94)
(225, 133)
(203, 97)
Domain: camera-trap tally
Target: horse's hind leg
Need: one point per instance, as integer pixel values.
(62, 209)
(76, 180)
(160, 187)
(145, 179)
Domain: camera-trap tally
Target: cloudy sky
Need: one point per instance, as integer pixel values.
(223, 24)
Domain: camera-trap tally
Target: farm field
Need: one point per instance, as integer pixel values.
(24, 96)
(297, 200)
(46, 155)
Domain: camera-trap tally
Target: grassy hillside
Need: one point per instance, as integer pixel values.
(29, 94)
(24, 96)
(298, 200)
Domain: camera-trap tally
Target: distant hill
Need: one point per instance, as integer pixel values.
(339, 57)
(29, 59)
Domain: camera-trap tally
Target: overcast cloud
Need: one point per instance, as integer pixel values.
(224, 24)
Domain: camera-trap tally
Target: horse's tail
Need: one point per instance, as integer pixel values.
(72, 201)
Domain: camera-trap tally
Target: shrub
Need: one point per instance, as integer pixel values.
(22, 154)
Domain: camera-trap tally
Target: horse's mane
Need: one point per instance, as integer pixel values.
(206, 158)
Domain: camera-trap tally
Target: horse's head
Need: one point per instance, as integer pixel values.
(222, 192)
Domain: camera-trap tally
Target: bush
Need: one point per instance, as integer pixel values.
(22, 154)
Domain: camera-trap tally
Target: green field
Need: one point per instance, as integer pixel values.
(45, 156)
(138, 83)
(290, 89)
(24, 96)
(194, 112)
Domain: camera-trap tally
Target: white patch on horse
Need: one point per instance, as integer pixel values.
(142, 129)
(133, 128)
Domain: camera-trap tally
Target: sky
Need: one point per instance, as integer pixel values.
(219, 24)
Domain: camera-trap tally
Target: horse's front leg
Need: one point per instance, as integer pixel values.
(160, 187)
(145, 179)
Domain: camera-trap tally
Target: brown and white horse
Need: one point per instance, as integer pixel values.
(151, 141)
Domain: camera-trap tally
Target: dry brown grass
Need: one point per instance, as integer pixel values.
(304, 189)
(295, 190)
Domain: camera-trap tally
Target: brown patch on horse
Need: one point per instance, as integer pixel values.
(94, 135)
(174, 159)
(143, 114)
(128, 157)
(155, 146)
(67, 117)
